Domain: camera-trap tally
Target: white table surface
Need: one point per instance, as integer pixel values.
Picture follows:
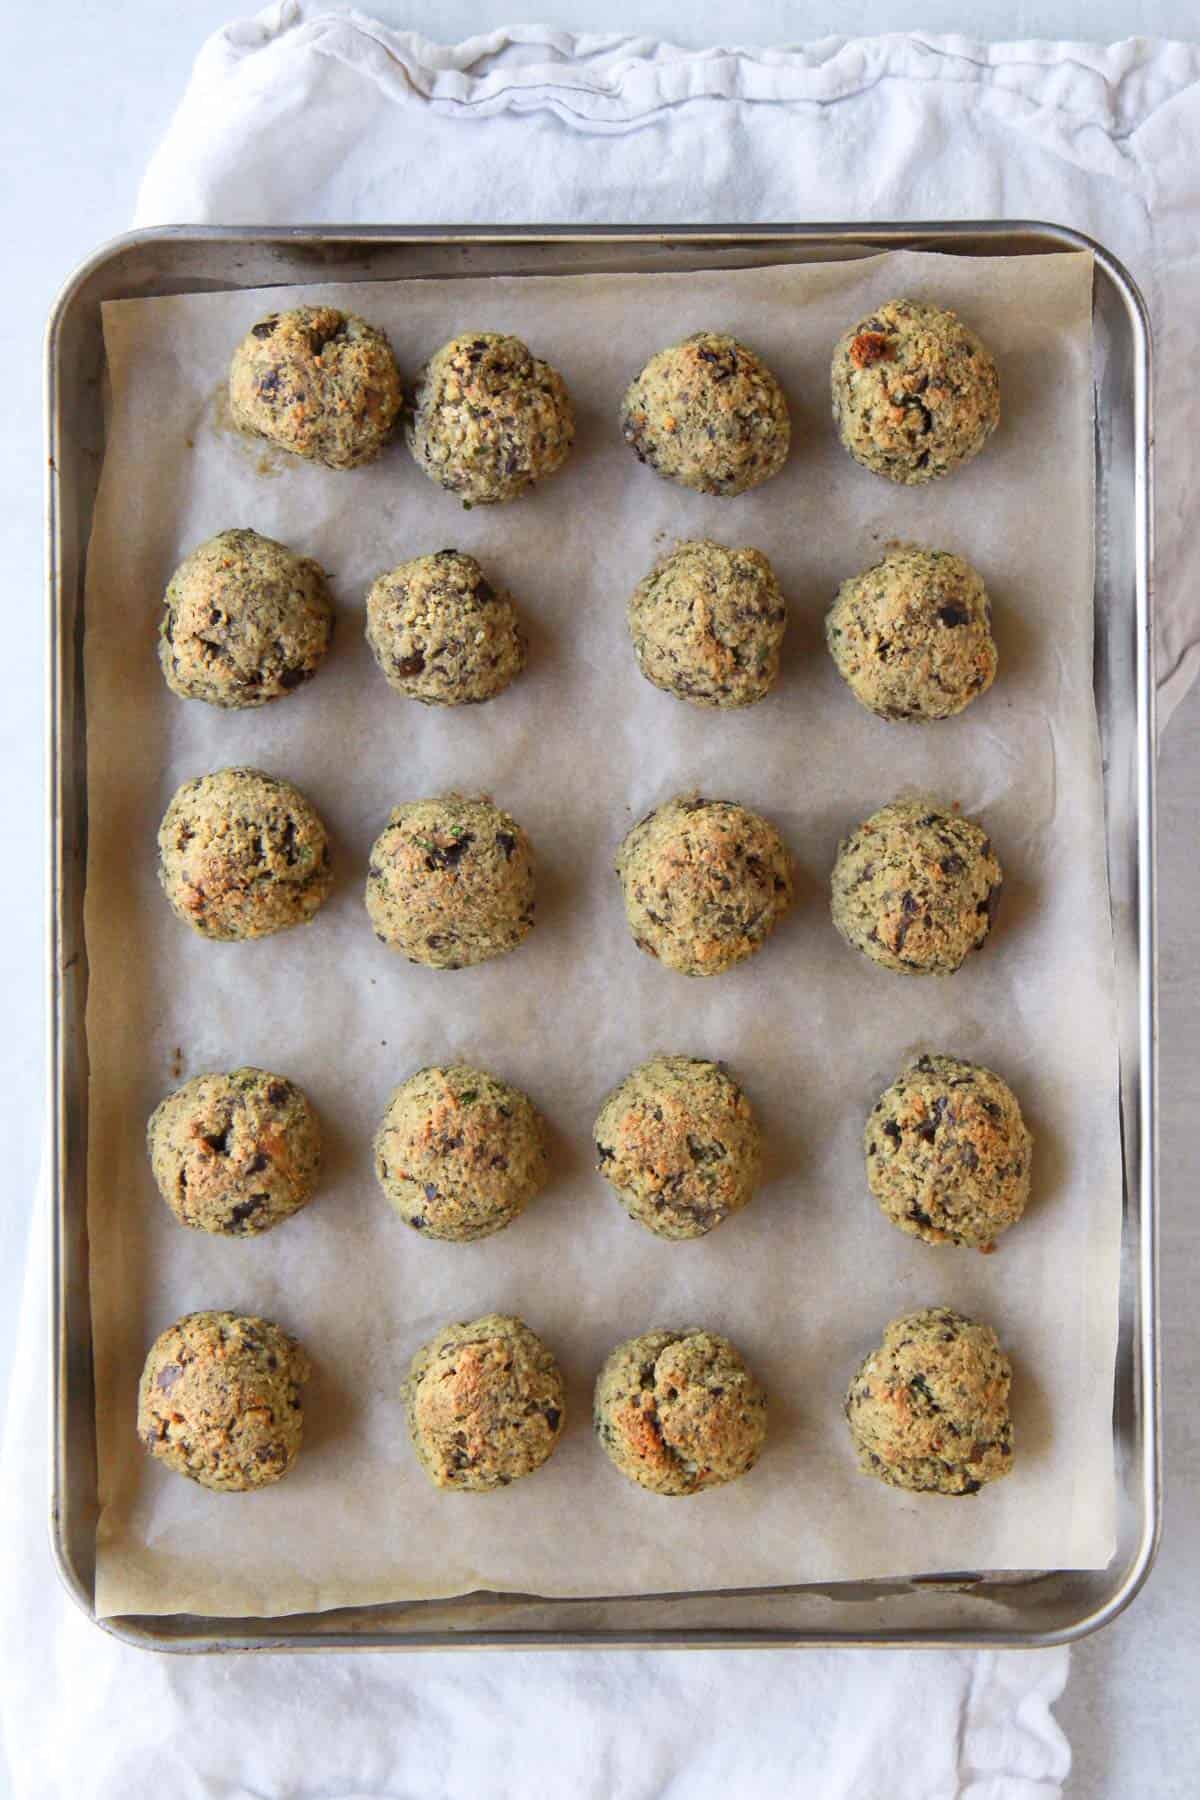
(85, 91)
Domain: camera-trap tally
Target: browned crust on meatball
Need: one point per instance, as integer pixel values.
(318, 382)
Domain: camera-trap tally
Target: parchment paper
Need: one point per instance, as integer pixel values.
(807, 1277)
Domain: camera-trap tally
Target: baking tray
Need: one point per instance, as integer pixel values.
(1035, 1607)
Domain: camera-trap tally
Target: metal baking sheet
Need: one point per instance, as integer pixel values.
(1030, 1608)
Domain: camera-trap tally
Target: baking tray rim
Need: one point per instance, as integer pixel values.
(943, 235)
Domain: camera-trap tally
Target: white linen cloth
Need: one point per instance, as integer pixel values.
(292, 118)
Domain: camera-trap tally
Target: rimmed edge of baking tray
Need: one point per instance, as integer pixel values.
(949, 1609)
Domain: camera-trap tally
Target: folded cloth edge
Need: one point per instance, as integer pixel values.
(619, 78)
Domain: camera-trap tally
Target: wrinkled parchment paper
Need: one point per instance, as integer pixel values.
(805, 1280)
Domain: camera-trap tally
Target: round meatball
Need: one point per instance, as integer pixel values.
(485, 1404)
(246, 621)
(707, 624)
(928, 1410)
(915, 887)
(680, 1144)
(948, 1153)
(489, 418)
(915, 394)
(679, 1411)
(912, 636)
(459, 1153)
(318, 382)
(243, 854)
(219, 1400)
(705, 883)
(450, 882)
(709, 414)
(235, 1154)
(441, 633)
